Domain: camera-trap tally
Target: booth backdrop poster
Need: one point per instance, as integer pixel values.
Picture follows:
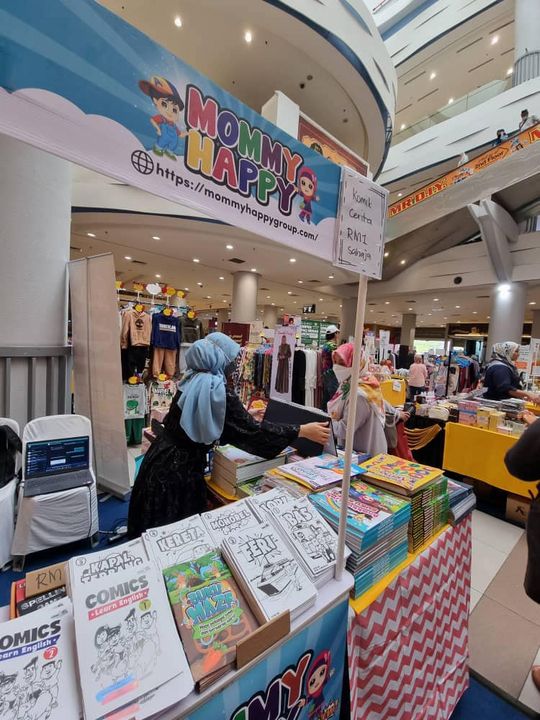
(282, 362)
(302, 680)
(81, 83)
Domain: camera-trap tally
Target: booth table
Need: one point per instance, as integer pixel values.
(479, 454)
(408, 636)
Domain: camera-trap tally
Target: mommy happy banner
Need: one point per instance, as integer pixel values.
(79, 82)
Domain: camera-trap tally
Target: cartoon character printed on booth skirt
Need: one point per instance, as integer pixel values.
(307, 188)
(318, 675)
(169, 106)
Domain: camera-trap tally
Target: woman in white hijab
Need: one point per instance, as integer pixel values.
(502, 377)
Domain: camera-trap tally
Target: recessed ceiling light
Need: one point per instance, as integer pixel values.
(156, 237)
(400, 194)
(208, 297)
(186, 289)
(386, 254)
(274, 304)
(450, 101)
(196, 260)
(289, 292)
(435, 299)
(402, 262)
(293, 260)
(127, 257)
(200, 284)
(91, 234)
(294, 302)
(458, 307)
(387, 302)
(429, 314)
(489, 317)
(224, 301)
(221, 277)
(510, 71)
(248, 36)
(474, 312)
(330, 277)
(532, 303)
(320, 299)
(433, 75)
(300, 282)
(158, 276)
(253, 269)
(268, 297)
(178, 21)
(341, 306)
(410, 308)
(494, 39)
(402, 126)
(229, 247)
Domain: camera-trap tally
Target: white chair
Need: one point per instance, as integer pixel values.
(7, 505)
(54, 519)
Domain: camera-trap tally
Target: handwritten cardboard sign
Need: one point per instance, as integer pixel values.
(45, 579)
(359, 244)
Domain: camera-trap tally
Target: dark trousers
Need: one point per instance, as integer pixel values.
(136, 359)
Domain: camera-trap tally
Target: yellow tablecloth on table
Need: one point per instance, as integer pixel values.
(479, 454)
(394, 397)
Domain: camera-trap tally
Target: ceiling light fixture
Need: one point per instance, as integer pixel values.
(128, 257)
(400, 194)
(91, 234)
(435, 299)
(268, 297)
(330, 277)
(300, 282)
(186, 289)
(510, 71)
(433, 75)
(458, 307)
(402, 262)
(474, 312)
(402, 126)
(387, 254)
(178, 21)
(253, 269)
(158, 276)
(450, 101)
(289, 292)
(494, 39)
(248, 36)
(410, 308)
(200, 284)
(196, 260)
(532, 302)
(221, 277)
(229, 247)
(292, 260)
(387, 302)
(156, 237)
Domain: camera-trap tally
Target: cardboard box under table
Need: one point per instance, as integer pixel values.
(408, 636)
(478, 453)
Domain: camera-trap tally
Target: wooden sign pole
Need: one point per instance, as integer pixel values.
(351, 423)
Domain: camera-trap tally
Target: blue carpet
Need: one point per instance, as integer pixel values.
(112, 513)
(479, 703)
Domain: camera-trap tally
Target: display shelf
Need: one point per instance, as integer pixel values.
(329, 596)
(479, 454)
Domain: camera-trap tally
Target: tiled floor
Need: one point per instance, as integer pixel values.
(505, 624)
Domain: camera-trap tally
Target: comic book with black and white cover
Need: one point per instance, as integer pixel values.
(272, 575)
(269, 503)
(127, 644)
(38, 672)
(225, 521)
(179, 542)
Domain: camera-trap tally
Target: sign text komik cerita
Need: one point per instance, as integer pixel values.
(232, 153)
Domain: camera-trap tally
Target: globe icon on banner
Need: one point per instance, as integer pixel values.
(142, 162)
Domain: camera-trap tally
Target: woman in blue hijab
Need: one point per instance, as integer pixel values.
(170, 484)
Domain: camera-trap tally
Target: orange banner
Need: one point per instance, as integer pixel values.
(491, 156)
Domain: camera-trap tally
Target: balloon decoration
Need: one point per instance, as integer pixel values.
(119, 285)
(181, 294)
(138, 287)
(191, 314)
(170, 291)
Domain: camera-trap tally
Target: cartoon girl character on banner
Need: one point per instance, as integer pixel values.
(284, 359)
(307, 181)
(169, 105)
(318, 675)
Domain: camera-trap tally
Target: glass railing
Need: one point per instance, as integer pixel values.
(477, 97)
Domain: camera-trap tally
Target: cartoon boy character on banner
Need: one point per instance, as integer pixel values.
(307, 181)
(169, 105)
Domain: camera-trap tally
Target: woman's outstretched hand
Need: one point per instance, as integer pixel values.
(317, 432)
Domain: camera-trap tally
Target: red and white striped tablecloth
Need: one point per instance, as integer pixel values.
(408, 649)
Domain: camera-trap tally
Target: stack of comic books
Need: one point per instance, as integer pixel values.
(376, 530)
(425, 486)
(309, 536)
(317, 473)
(178, 542)
(211, 613)
(268, 572)
(131, 661)
(226, 520)
(232, 467)
(462, 501)
(38, 670)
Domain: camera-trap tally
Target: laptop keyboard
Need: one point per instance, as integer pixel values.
(56, 483)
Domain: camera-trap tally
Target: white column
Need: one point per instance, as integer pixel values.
(526, 43)
(535, 332)
(35, 212)
(507, 314)
(35, 207)
(270, 316)
(348, 318)
(408, 329)
(244, 297)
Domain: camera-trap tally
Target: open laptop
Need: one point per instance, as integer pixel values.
(279, 411)
(55, 465)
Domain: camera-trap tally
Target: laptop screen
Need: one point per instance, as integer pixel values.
(52, 457)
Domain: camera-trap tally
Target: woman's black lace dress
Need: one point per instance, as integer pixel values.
(170, 484)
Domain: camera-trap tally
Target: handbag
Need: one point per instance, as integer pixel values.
(390, 429)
